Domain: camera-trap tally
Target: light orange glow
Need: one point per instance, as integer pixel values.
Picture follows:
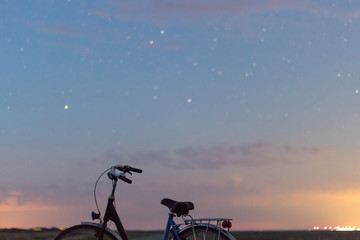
(38, 214)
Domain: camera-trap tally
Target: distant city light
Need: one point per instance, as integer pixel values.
(336, 228)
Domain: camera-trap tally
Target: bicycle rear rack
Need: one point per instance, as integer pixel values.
(217, 222)
(209, 223)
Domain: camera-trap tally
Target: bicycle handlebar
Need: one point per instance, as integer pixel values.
(127, 168)
(125, 179)
(124, 169)
(115, 176)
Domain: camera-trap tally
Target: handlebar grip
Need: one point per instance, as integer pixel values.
(127, 168)
(137, 170)
(125, 179)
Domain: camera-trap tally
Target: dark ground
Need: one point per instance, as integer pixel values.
(49, 234)
(297, 235)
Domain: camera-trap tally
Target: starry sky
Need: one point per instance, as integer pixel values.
(250, 109)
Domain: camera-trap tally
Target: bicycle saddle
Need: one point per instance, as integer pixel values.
(179, 208)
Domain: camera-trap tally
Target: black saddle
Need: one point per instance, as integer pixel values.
(179, 208)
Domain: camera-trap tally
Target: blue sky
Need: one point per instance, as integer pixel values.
(248, 108)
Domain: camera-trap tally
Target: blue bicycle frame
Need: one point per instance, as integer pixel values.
(171, 224)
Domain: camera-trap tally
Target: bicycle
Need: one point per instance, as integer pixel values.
(190, 229)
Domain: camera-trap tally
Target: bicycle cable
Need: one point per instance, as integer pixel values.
(96, 203)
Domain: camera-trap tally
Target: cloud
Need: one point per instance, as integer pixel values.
(188, 11)
(56, 194)
(246, 155)
(236, 7)
(250, 209)
(61, 30)
(244, 7)
(237, 179)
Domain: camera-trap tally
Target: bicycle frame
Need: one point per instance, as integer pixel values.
(199, 228)
(171, 224)
(111, 214)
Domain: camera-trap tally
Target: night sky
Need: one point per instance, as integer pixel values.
(250, 109)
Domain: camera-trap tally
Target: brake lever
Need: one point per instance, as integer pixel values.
(127, 170)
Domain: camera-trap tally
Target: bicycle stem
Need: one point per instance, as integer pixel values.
(113, 189)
